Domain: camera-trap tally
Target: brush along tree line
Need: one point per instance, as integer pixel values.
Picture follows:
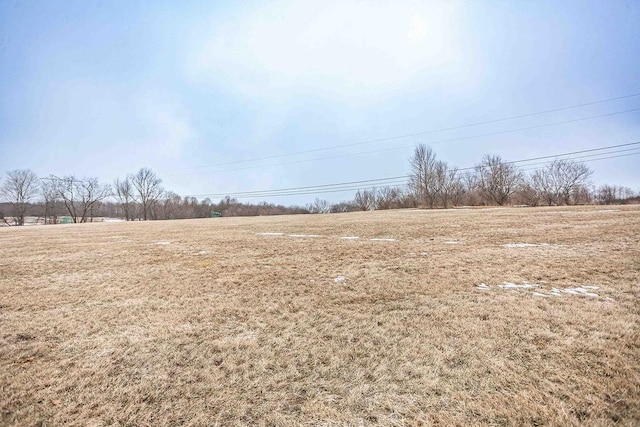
(138, 196)
(432, 184)
(494, 181)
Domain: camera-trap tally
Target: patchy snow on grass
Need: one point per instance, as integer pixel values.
(339, 279)
(203, 252)
(529, 245)
(608, 210)
(451, 242)
(350, 237)
(424, 253)
(113, 220)
(304, 235)
(383, 240)
(160, 243)
(581, 290)
(584, 290)
(269, 234)
(523, 285)
(538, 294)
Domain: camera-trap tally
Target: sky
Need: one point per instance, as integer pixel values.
(229, 97)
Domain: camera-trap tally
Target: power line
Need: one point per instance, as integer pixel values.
(442, 141)
(371, 141)
(351, 185)
(547, 162)
(356, 188)
(577, 152)
(399, 181)
(590, 160)
(352, 189)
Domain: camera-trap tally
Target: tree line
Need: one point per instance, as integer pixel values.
(432, 183)
(136, 197)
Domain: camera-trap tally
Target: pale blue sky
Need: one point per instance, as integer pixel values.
(104, 88)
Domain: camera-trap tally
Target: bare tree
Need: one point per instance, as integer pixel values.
(319, 206)
(388, 198)
(471, 190)
(423, 178)
(451, 188)
(365, 200)
(342, 207)
(611, 194)
(52, 208)
(149, 190)
(457, 190)
(529, 194)
(560, 179)
(67, 190)
(124, 191)
(81, 196)
(171, 205)
(19, 187)
(497, 179)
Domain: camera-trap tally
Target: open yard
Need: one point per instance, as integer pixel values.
(514, 316)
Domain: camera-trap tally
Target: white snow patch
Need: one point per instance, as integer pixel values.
(538, 294)
(452, 242)
(609, 210)
(350, 237)
(523, 285)
(113, 220)
(528, 245)
(339, 279)
(383, 240)
(160, 243)
(580, 291)
(424, 253)
(583, 290)
(304, 235)
(204, 252)
(269, 234)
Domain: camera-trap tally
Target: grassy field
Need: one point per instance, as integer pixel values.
(516, 316)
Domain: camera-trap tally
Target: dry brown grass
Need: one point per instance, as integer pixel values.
(100, 325)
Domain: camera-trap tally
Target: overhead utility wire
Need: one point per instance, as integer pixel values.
(257, 193)
(371, 141)
(590, 160)
(586, 156)
(404, 177)
(442, 141)
(352, 189)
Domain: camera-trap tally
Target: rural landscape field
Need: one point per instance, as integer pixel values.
(494, 316)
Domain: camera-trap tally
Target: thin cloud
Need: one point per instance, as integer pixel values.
(341, 49)
(167, 127)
